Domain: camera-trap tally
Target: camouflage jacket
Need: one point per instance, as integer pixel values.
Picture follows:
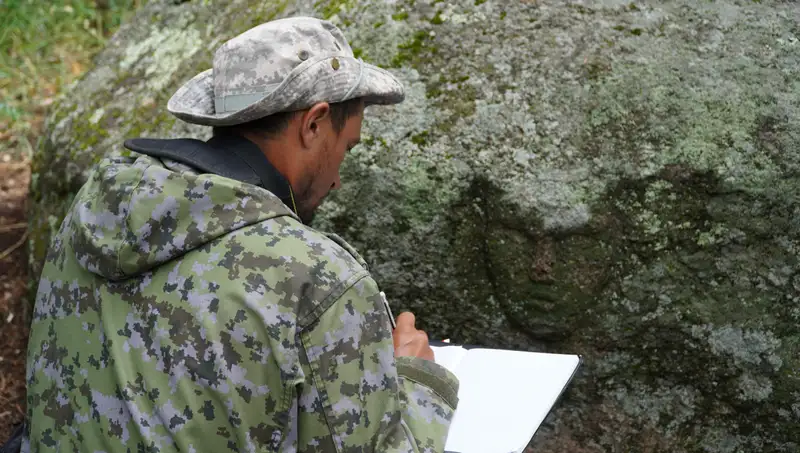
(180, 311)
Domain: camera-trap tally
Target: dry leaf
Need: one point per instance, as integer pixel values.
(76, 68)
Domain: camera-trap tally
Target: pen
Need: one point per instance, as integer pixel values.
(388, 310)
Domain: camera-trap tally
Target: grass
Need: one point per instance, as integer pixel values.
(44, 46)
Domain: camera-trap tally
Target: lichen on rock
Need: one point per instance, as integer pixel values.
(617, 179)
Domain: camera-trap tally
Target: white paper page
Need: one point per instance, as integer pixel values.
(503, 398)
(448, 356)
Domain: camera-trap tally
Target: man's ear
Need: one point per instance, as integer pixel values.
(312, 123)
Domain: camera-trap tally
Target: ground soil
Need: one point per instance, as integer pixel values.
(14, 179)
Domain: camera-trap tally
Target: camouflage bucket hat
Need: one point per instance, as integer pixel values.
(282, 65)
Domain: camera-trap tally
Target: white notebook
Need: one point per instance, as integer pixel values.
(503, 395)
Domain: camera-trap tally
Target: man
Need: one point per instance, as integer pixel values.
(187, 305)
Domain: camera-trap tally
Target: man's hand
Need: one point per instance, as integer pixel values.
(408, 341)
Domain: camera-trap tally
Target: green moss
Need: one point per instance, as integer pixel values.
(87, 134)
(402, 15)
(329, 8)
(420, 139)
(434, 87)
(378, 25)
(633, 31)
(505, 86)
(581, 9)
(462, 106)
(460, 102)
(437, 19)
(60, 113)
(596, 68)
(265, 12)
(408, 50)
(479, 2)
(358, 52)
(502, 15)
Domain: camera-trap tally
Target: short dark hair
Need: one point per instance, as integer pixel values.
(272, 125)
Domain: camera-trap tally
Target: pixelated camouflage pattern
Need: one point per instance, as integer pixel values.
(282, 65)
(189, 312)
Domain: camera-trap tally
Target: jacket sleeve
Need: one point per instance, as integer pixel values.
(370, 398)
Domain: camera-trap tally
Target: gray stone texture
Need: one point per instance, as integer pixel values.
(615, 179)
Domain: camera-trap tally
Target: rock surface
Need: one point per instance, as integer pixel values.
(611, 178)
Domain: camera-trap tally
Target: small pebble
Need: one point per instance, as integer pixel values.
(9, 318)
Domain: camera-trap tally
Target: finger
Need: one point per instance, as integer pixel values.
(405, 321)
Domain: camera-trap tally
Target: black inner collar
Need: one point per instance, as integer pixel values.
(269, 176)
(230, 156)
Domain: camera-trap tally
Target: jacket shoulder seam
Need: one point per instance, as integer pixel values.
(333, 296)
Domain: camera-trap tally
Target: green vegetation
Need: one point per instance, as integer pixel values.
(633, 31)
(329, 8)
(409, 49)
(45, 46)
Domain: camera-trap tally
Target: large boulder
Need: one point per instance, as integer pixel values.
(616, 179)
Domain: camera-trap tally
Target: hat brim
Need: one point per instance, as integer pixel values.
(311, 82)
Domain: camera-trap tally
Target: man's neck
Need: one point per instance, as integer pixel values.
(275, 152)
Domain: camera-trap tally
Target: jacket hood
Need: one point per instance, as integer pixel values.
(134, 214)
